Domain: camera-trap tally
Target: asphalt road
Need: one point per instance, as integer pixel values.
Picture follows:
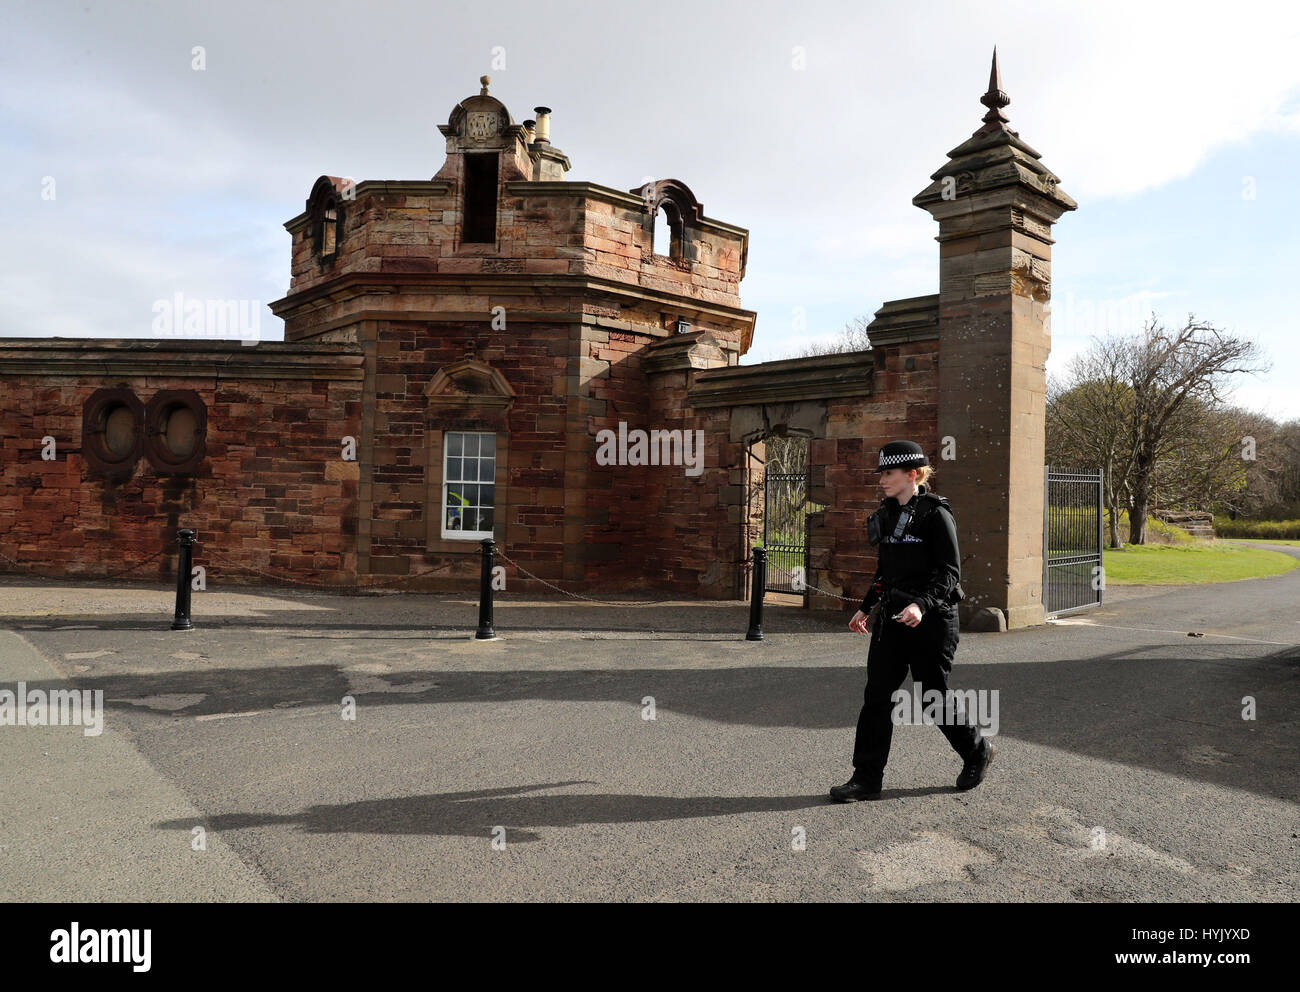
(1125, 770)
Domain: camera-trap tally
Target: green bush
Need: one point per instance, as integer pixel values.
(1278, 530)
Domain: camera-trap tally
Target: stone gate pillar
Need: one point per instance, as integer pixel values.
(995, 203)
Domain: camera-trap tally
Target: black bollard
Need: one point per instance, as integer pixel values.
(485, 631)
(184, 566)
(756, 596)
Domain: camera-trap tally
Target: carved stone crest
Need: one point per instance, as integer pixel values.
(482, 125)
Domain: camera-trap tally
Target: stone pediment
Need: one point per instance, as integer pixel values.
(696, 350)
(469, 383)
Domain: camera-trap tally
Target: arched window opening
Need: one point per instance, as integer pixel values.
(661, 238)
(329, 230)
(668, 231)
(480, 222)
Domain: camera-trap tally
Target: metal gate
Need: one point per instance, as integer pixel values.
(785, 531)
(1072, 540)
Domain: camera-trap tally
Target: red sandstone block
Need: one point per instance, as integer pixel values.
(546, 265)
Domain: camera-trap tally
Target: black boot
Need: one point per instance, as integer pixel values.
(972, 773)
(852, 791)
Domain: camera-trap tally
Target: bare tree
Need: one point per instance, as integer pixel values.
(1145, 408)
(786, 453)
(1208, 459)
(1087, 422)
(1284, 453)
(1165, 369)
(852, 338)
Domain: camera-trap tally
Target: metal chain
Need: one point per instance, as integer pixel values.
(218, 559)
(574, 595)
(843, 599)
(98, 578)
(328, 585)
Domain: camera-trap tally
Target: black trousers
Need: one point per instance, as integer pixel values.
(927, 649)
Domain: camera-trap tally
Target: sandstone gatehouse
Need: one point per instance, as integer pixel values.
(457, 348)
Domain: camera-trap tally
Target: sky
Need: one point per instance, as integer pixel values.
(135, 168)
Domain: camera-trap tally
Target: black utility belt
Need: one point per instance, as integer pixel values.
(898, 593)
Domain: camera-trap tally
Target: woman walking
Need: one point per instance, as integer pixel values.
(917, 585)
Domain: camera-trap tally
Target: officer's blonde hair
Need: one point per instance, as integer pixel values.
(923, 474)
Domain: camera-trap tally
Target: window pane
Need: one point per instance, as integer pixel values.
(487, 469)
(471, 444)
(454, 442)
(471, 495)
(484, 519)
(485, 496)
(471, 469)
(454, 469)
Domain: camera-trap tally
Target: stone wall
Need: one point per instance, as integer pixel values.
(544, 229)
(272, 491)
(1198, 523)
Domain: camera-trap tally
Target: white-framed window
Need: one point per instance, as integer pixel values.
(469, 463)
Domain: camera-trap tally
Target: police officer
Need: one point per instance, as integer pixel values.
(917, 587)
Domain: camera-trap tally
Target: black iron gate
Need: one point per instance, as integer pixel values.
(1072, 540)
(785, 531)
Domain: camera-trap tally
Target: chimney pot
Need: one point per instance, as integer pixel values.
(543, 125)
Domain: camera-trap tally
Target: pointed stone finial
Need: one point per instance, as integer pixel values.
(996, 98)
(484, 81)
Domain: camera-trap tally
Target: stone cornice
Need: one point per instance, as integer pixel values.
(995, 210)
(905, 321)
(115, 357)
(355, 284)
(819, 377)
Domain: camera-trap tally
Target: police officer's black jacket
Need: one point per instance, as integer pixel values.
(922, 566)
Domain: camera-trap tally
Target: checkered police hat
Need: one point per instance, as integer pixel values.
(901, 454)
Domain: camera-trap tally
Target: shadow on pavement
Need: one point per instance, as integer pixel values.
(474, 814)
(1139, 706)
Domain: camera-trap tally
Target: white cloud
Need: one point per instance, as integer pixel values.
(174, 179)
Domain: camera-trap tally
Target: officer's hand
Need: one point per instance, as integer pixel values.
(911, 616)
(859, 623)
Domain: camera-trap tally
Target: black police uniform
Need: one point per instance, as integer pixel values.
(918, 563)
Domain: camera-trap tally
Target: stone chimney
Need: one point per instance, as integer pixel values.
(549, 163)
(995, 203)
